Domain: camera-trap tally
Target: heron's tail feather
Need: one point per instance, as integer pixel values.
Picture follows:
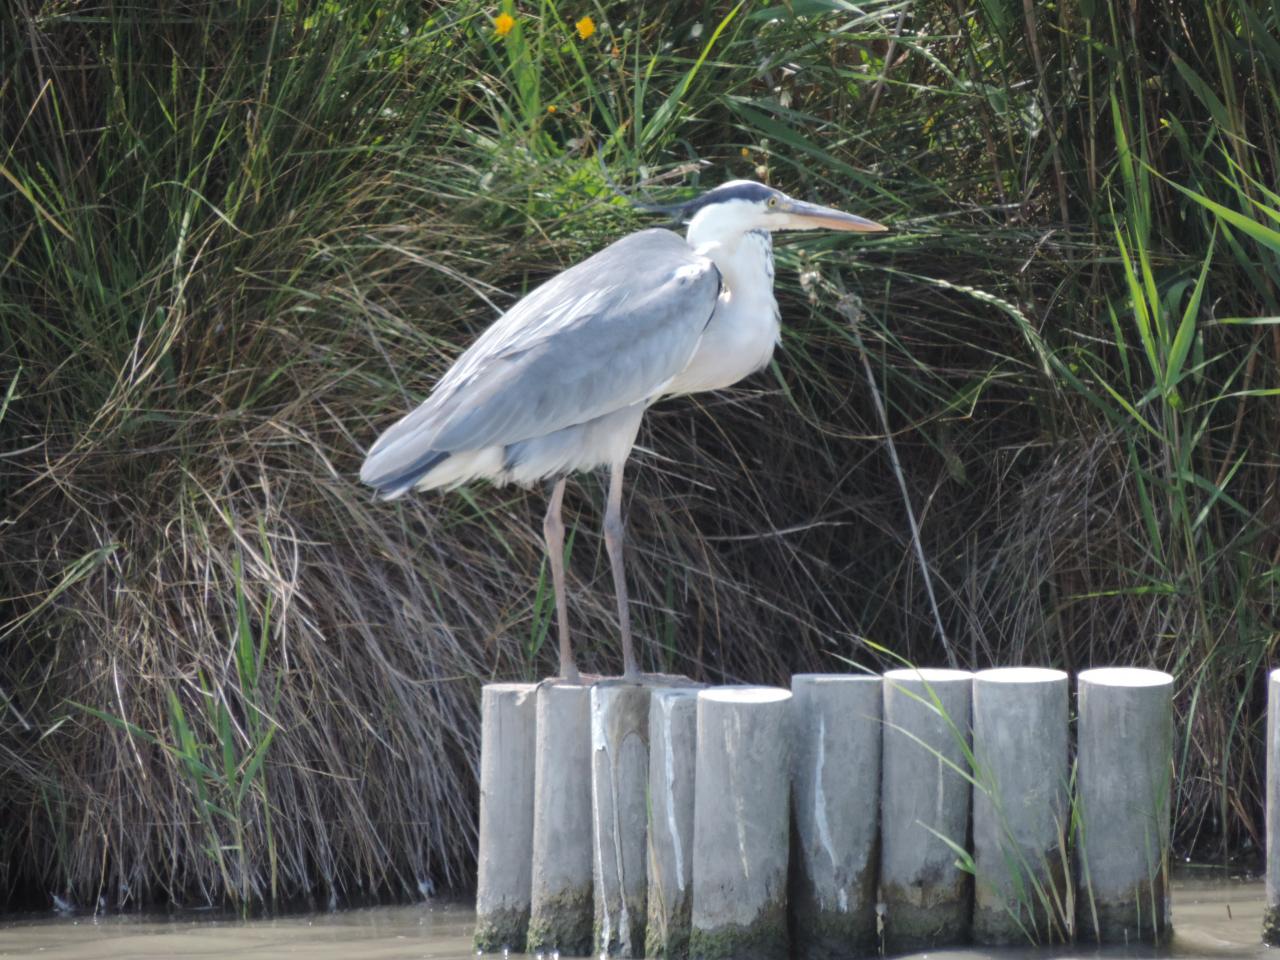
(391, 476)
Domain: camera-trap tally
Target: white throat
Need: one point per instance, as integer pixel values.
(728, 235)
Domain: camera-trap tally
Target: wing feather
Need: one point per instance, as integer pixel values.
(603, 335)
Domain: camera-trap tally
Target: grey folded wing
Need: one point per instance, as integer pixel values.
(604, 334)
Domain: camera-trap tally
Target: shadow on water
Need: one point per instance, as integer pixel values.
(1211, 919)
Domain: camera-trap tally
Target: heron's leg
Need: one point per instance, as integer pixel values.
(613, 537)
(553, 530)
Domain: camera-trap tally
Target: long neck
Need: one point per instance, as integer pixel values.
(743, 330)
(745, 260)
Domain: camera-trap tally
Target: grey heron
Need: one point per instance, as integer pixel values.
(561, 381)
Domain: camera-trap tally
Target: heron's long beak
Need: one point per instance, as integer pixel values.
(811, 216)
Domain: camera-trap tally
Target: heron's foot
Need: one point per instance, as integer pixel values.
(576, 680)
(636, 679)
(653, 680)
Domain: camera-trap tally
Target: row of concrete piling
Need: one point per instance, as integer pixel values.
(847, 815)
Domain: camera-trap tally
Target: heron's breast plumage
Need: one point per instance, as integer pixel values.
(744, 328)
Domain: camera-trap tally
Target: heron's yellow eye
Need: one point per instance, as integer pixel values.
(773, 201)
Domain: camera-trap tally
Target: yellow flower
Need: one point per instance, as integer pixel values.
(586, 27)
(503, 23)
(746, 152)
(551, 108)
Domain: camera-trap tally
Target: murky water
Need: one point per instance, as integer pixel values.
(1211, 919)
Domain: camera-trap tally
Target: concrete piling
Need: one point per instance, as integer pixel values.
(673, 735)
(1021, 806)
(561, 909)
(741, 829)
(593, 838)
(925, 796)
(507, 723)
(835, 804)
(619, 798)
(1271, 914)
(1123, 781)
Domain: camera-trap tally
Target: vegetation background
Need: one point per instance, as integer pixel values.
(237, 239)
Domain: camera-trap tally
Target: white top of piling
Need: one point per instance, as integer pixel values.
(674, 693)
(1020, 675)
(927, 675)
(836, 678)
(735, 694)
(1125, 677)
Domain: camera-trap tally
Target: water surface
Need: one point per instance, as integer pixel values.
(1211, 919)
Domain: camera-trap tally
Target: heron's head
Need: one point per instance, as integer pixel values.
(740, 206)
